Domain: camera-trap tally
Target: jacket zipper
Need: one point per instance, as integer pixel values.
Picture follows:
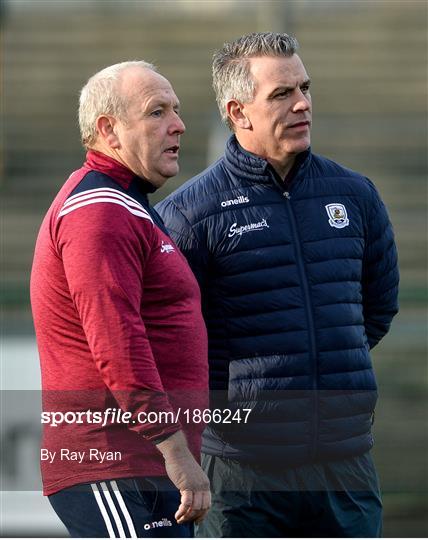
(309, 315)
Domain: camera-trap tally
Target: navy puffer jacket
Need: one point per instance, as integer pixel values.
(297, 286)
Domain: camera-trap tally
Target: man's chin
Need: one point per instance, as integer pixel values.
(171, 173)
(299, 146)
(164, 177)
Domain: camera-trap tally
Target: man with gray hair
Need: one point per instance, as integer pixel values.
(297, 265)
(112, 297)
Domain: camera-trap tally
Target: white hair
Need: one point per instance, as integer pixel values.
(101, 95)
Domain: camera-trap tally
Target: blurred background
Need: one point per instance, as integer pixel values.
(368, 64)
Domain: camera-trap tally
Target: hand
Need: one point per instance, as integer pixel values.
(185, 473)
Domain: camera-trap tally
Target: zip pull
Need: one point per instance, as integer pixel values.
(287, 195)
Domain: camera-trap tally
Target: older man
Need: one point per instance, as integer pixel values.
(298, 270)
(119, 327)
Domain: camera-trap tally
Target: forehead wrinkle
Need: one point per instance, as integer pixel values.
(161, 97)
(279, 70)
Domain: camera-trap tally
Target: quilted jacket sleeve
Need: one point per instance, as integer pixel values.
(380, 273)
(184, 235)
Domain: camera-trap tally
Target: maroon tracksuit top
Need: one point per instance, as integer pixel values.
(118, 324)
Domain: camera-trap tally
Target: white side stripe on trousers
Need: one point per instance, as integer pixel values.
(113, 510)
(103, 510)
(125, 512)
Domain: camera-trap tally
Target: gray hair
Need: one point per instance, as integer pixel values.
(231, 69)
(101, 95)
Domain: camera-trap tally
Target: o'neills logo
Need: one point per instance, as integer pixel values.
(164, 522)
(242, 229)
(240, 200)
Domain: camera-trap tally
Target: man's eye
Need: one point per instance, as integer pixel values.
(305, 88)
(284, 93)
(156, 113)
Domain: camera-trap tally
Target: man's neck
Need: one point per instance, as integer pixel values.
(282, 168)
(110, 152)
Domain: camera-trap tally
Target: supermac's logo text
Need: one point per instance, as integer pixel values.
(242, 229)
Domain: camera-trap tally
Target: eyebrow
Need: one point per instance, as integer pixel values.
(306, 82)
(164, 104)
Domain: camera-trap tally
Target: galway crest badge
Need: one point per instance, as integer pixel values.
(337, 214)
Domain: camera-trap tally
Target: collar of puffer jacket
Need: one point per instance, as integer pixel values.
(257, 169)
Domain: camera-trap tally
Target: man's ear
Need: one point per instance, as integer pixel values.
(106, 131)
(236, 113)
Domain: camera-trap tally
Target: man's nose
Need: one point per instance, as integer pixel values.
(177, 125)
(303, 103)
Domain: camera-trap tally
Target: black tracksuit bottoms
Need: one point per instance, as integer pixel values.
(121, 508)
(330, 499)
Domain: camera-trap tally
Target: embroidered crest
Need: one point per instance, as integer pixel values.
(337, 214)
